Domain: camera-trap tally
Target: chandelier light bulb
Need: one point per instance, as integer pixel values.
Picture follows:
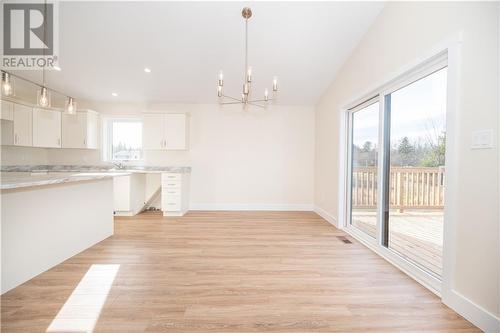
(249, 74)
(275, 84)
(7, 89)
(221, 79)
(246, 89)
(266, 95)
(219, 91)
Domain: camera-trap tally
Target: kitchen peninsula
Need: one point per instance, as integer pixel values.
(51, 213)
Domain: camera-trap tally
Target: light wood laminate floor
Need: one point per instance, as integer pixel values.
(226, 272)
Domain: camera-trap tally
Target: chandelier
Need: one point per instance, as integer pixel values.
(246, 93)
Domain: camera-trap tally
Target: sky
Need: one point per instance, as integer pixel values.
(418, 111)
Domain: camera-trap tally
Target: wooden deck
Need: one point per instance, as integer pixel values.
(416, 235)
(226, 272)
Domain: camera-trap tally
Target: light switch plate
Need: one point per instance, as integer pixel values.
(482, 139)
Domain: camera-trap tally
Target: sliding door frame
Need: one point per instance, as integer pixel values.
(446, 55)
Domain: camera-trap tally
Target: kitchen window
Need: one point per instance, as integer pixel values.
(123, 140)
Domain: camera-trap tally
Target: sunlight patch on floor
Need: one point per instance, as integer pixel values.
(82, 309)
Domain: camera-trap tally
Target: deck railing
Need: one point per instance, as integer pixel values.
(410, 187)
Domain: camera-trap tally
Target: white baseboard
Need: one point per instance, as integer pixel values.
(238, 206)
(327, 216)
(474, 313)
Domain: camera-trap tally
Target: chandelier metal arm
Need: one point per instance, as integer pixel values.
(235, 99)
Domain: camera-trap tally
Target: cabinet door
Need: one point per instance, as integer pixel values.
(92, 141)
(23, 125)
(6, 110)
(121, 195)
(152, 131)
(46, 128)
(74, 130)
(175, 131)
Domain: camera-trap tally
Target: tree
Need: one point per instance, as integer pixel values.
(406, 151)
(435, 155)
(367, 147)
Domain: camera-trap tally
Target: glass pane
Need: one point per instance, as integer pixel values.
(127, 140)
(365, 123)
(416, 202)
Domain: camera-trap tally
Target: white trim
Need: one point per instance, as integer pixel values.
(256, 207)
(327, 216)
(474, 313)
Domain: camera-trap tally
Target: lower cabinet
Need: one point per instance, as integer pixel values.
(129, 194)
(174, 194)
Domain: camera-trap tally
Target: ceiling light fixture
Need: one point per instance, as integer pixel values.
(70, 106)
(114, 94)
(246, 93)
(7, 84)
(147, 70)
(57, 68)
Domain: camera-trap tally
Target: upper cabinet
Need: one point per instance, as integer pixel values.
(23, 125)
(17, 126)
(46, 128)
(6, 110)
(165, 131)
(80, 130)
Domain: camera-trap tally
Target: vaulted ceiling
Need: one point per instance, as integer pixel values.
(105, 46)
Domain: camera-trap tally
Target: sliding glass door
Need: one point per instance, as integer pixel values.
(396, 147)
(417, 170)
(364, 163)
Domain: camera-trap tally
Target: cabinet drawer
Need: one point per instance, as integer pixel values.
(171, 176)
(169, 191)
(171, 183)
(171, 203)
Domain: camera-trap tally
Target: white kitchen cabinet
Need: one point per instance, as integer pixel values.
(46, 128)
(129, 194)
(6, 110)
(165, 131)
(23, 125)
(153, 131)
(80, 130)
(174, 194)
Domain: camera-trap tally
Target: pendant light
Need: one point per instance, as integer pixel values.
(70, 106)
(7, 84)
(43, 95)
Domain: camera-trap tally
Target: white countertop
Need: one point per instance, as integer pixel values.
(13, 180)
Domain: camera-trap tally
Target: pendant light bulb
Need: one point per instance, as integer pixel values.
(7, 86)
(266, 95)
(275, 84)
(71, 106)
(43, 97)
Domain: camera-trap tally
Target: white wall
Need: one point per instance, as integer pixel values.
(258, 158)
(404, 32)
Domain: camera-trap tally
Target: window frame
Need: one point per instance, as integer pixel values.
(108, 138)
